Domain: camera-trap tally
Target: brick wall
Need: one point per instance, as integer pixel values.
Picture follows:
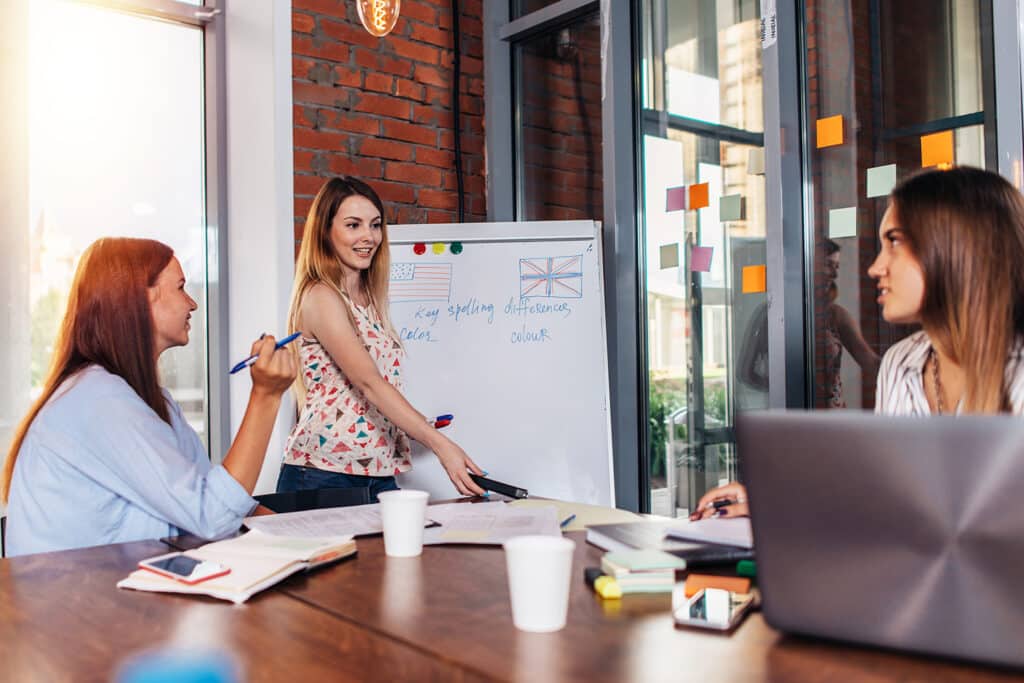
(381, 108)
(561, 119)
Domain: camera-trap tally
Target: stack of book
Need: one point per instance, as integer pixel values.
(642, 571)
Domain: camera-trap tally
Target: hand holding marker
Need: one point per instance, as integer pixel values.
(241, 365)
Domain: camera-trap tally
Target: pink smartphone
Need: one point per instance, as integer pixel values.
(184, 568)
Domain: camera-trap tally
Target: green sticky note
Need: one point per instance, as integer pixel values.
(755, 161)
(842, 222)
(730, 207)
(669, 254)
(881, 180)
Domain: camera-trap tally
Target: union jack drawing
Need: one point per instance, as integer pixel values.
(420, 282)
(559, 277)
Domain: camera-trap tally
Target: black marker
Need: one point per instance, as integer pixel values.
(499, 487)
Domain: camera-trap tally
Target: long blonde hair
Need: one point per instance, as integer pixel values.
(966, 228)
(108, 322)
(318, 261)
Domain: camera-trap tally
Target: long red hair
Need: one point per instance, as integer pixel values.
(109, 323)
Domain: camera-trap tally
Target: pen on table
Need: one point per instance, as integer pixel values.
(241, 365)
(567, 521)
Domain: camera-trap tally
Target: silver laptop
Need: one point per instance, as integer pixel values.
(905, 533)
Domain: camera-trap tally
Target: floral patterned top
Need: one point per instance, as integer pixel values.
(339, 429)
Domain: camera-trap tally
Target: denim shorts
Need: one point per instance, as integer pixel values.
(297, 478)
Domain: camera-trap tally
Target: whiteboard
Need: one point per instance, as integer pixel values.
(509, 337)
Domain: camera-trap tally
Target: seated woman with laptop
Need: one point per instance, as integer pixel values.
(951, 260)
(105, 455)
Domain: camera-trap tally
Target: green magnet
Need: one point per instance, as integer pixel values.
(456, 247)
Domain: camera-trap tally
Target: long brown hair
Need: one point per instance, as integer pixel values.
(318, 261)
(966, 228)
(109, 323)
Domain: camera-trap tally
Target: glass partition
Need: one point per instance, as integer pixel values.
(892, 86)
(704, 235)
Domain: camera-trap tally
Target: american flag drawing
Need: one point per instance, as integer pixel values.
(559, 277)
(420, 282)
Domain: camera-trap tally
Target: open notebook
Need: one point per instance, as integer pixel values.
(257, 560)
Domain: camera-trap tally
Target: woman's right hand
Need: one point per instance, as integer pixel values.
(274, 369)
(458, 465)
(733, 491)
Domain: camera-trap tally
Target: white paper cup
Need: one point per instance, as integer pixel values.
(539, 574)
(404, 514)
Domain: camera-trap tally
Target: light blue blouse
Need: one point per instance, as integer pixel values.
(99, 466)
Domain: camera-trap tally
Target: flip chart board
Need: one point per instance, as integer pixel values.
(505, 330)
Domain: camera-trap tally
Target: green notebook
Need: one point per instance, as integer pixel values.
(626, 561)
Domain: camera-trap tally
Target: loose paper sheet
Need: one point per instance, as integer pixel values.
(489, 523)
(355, 520)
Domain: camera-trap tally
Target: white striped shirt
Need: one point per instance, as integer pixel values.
(900, 389)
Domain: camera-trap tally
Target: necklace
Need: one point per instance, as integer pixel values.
(938, 382)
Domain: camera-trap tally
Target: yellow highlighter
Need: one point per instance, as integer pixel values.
(605, 586)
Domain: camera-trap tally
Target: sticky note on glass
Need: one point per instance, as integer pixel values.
(730, 207)
(700, 259)
(830, 131)
(675, 199)
(881, 180)
(755, 161)
(697, 196)
(842, 222)
(937, 149)
(669, 255)
(755, 279)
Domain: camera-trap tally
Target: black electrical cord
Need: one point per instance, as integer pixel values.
(456, 109)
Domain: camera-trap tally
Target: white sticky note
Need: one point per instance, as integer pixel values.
(669, 254)
(842, 222)
(755, 161)
(730, 207)
(881, 180)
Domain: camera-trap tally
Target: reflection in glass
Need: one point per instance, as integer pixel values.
(712, 62)
(893, 75)
(558, 83)
(524, 7)
(706, 337)
(117, 149)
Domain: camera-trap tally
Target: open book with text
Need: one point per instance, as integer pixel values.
(257, 560)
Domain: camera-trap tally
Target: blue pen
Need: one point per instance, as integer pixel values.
(442, 418)
(567, 521)
(241, 365)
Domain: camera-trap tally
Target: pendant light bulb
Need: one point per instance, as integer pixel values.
(378, 16)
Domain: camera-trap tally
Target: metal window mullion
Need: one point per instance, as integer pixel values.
(216, 235)
(165, 10)
(498, 104)
(787, 246)
(624, 251)
(545, 19)
(1007, 53)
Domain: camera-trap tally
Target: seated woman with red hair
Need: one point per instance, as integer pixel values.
(105, 455)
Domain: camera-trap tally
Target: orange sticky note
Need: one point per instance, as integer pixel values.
(698, 196)
(755, 279)
(937, 149)
(830, 131)
(695, 582)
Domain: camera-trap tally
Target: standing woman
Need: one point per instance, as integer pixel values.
(105, 454)
(354, 425)
(952, 260)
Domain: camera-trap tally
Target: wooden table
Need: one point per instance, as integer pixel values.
(443, 616)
